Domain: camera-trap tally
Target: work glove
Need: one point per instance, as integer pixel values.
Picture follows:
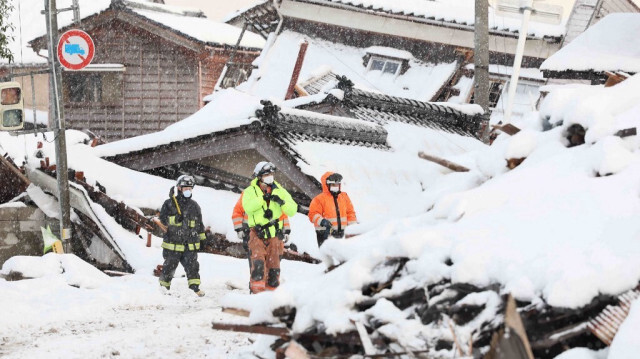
(277, 200)
(268, 213)
(326, 224)
(266, 196)
(293, 247)
(244, 236)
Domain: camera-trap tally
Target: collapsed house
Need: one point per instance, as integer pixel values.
(223, 157)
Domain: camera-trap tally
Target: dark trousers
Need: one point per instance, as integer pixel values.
(189, 261)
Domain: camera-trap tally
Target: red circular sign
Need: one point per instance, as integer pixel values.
(75, 49)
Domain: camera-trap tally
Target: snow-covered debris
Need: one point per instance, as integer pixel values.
(421, 81)
(610, 45)
(601, 111)
(74, 270)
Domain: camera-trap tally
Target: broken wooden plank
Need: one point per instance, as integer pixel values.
(508, 128)
(13, 181)
(364, 338)
(442, 162)
(514, 162)
(13, 168)
(236, 311)
(255, 329)
(512, 320)
(627, 132)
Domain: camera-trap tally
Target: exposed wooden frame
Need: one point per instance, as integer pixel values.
(208, 146)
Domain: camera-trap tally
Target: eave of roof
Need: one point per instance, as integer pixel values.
(423, 19)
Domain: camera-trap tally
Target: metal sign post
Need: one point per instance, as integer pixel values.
(57, 112)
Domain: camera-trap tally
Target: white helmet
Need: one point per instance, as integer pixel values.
(186, 181)
(263, 167)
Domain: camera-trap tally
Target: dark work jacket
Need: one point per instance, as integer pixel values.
(190, 229)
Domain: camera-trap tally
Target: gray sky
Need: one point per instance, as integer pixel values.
(214, 9)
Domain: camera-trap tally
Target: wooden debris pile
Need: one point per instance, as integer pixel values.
(12, 178)
(134, 220)
(395, 319)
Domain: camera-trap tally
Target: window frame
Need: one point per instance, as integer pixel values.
(386, 61)
(98, 73)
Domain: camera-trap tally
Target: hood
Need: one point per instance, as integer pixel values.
(323, 180)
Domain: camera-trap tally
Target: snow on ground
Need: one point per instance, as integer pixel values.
(72, 310)
(626, 344)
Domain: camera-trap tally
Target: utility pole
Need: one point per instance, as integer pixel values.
(481, 61)
(57, 111)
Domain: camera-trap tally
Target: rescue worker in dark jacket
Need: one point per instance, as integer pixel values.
(265, 201)
(185, 231)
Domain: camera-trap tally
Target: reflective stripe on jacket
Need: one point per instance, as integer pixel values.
(184, 234)
(255, 205)
(323, 206)
(239, 217)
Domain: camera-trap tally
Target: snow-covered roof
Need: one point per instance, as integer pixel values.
(421, 81)
(612, 44)
(453, 12)
(30, 23)
(237, 13)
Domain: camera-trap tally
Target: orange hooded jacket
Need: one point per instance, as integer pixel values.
(238, 216)
(323, 206)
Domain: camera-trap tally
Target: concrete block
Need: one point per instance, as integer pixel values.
(31, 214)
(9, 227)
(8, 214)
(31, 226)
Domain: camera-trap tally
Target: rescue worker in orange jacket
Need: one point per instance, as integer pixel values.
(331, 211)
(264, 201)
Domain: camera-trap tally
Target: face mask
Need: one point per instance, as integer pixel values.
(334, 189)
(187, 194)
(267, 179)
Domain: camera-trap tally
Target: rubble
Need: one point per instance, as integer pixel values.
(438, 320)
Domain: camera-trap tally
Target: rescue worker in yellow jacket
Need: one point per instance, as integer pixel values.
(264, 201)
(331, 211)
(241, 226)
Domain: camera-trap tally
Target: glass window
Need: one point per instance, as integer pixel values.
(12, 118)
(388, 66)
(377, 64)
(391, 67)
(100, 87)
